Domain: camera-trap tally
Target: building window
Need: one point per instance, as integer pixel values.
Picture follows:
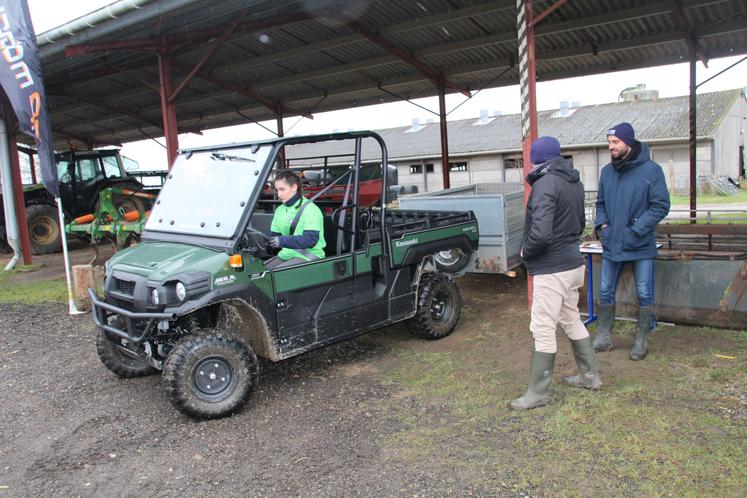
(418, 168)
(514, 162)
(458, 166)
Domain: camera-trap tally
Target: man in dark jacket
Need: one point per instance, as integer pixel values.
(550, 250)
(631, 200)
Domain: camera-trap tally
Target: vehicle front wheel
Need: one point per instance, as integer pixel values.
(210, 374)
(439, 307)
(115, 356)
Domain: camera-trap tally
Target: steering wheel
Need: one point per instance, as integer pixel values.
(256, 243)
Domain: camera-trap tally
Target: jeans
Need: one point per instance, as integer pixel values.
(642, 274)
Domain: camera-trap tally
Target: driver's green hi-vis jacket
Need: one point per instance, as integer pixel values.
(311, 219)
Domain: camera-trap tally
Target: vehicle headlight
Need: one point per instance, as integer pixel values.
(154, 296)
(181, 291)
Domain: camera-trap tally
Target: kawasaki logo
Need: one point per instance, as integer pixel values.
(405, 243)
(469, 229)
(229, 279)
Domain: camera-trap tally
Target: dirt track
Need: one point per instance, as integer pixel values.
(383, 415)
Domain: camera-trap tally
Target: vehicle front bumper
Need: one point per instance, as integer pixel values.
(102, 311)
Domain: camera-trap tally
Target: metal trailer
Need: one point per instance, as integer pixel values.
(499, 209)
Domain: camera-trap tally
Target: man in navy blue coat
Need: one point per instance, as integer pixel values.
(631, 200)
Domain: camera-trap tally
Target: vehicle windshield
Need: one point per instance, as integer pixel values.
(206, 192)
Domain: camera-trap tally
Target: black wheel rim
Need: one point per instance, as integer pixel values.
(441, 306)
(213, 378)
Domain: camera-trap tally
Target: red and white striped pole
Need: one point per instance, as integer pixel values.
(528, 88)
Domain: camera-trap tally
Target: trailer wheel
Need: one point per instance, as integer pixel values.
(112, 354)
(44, 229)
(439, 307)
(451, 260)
(210, 374)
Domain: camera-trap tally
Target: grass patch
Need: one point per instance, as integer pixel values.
(741, 197)
(33, 292)
(660, 436)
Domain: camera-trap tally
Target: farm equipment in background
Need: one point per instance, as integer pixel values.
(111, 222)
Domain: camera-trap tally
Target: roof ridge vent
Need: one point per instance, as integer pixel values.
(415, 127)
(566, 109)
(484, 118)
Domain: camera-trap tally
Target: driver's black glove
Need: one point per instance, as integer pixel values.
(274, 242)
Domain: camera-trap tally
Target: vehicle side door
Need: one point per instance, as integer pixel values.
(314, 302)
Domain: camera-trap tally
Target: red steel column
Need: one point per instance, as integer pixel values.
(528, 88)
(20, 203)
(693, 138)
(168, 108)
(444, 132)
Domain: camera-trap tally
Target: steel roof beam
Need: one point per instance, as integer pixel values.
(90, 142)
(406, 56)
(232, 87)
(126, 112)
(213, 49)
(688, 33)
(707, 31)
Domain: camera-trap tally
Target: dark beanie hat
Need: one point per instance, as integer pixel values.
(544, 149)
(623, 131)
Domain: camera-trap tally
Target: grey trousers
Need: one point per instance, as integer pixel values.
(275, 262)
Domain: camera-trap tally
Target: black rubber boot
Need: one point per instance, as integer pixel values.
(586, 366)
(540, 377)
(640, 348)
(605, 319)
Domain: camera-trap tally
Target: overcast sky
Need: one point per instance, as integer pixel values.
(670, 81)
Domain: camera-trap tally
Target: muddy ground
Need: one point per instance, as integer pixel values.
(382, 415)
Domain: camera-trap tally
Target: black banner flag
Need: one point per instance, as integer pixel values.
(21, 78)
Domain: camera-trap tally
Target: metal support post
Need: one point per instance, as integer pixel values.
(444, 133)
(528, 89)
(20, 203)
(168, 108)
(281, 133)
(693, 139)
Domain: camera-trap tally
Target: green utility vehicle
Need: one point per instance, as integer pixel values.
(195, 300)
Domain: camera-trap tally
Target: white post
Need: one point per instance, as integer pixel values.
(11, 223)
(73, 310)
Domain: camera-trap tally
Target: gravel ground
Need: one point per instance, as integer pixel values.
(72, 428)
(382, 415)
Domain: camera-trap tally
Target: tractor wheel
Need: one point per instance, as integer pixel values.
(210, 374)
(44, 229)
(116, 357)
(439, 307)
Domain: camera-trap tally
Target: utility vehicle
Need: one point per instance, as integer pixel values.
(195, 300)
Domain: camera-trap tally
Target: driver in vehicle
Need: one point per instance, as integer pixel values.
(297, 228)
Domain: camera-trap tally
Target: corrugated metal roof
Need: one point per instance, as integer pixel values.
(653, 120)
(302, 54)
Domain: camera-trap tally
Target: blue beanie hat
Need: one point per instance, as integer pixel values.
(544, 149)
(623, 131)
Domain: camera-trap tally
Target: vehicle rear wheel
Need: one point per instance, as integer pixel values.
(451, 260)
(210, 374)
(44, 229)
(113, 354)
(439, 307)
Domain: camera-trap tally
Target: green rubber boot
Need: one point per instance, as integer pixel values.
(640, 348)
(587, 375)
(605, 319)
(540, 377)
